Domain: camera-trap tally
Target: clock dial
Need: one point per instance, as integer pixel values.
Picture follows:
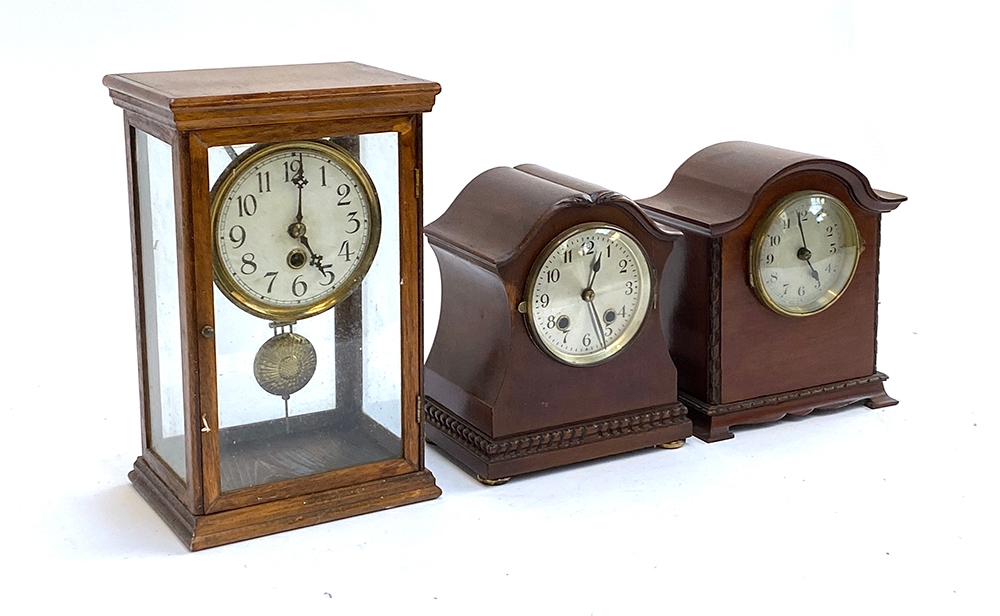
(588, 294)
(296, 226)
(803, 253)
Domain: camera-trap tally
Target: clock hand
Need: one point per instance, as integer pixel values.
(804, 252)
(314, 259)
(300, 182)
(596, 320)
(588, 296)
(594, 268)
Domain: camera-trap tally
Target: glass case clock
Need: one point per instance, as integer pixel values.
(549, 349)
(771, 308)
(276, 241)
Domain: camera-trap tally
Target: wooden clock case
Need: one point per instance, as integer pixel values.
(191, 111)
(494, 401)
(738, 361)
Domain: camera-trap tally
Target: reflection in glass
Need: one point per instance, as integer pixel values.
(158, 239)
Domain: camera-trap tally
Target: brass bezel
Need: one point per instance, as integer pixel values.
(645, 302)
(225, 281)
(851, 239)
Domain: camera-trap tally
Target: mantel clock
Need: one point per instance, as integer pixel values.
(276, 216)
(773, 299)
(549, 349)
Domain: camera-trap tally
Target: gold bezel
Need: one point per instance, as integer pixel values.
(852, 239)
(253, 305)
(645, 302)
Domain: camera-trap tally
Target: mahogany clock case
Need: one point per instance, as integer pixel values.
(495, 402)
(191, 113)
(738, 361)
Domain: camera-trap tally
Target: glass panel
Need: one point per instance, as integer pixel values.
(304, 388)
(161, 299)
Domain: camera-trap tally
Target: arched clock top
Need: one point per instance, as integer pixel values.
(716, 189)
(599, 194)
(495, 217)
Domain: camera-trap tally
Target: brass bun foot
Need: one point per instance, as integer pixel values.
(673, 444)
(492, 482)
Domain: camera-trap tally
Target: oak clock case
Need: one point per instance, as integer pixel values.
(771, 304)
(548, 349)
(276, 220)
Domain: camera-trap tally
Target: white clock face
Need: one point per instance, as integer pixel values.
(803, 253)
(296, 227)
(588, 294)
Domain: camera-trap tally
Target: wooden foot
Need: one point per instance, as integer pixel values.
(880, 400)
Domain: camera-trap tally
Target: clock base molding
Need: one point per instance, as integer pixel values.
(198, 532)
(494, 460)
(712, 421)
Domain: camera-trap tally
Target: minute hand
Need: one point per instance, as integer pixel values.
(804, 253)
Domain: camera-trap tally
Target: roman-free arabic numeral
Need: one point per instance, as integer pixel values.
(344, 192)
(299, 286)
(345, 251)
(274, 276)
(247, 205)
(237, 235)
(264, 182)
(552, 276)
(293, 170)
(351, 219)
(249, 266)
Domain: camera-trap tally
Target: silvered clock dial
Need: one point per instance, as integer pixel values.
(589, 292)
(296, 227)
(803, 253)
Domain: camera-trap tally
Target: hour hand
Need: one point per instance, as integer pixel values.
(594, 268)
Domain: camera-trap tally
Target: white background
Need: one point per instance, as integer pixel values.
(859, 510)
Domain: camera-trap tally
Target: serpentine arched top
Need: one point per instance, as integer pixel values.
(715, 190)
(504, 207)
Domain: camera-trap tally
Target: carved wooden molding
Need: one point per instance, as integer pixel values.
(597, 198)
(715, 323)
(743, 405)
(492, 450)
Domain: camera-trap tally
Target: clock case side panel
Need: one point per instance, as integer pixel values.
(341, 480)
(690, 310)
(150, 471)
(468, 360)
